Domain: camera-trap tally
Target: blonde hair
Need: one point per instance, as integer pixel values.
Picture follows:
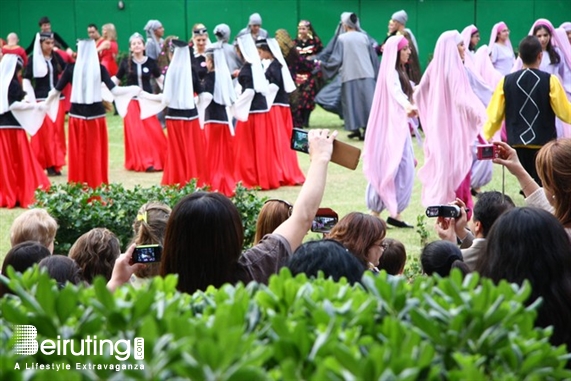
(34, 225)
(111, 31)
(149, 228)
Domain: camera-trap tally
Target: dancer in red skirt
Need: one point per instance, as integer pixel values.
(44, 69)
(218, 126)
(255, 164)
(20, 173)
(186, 141)
(145, 141)
(279, 75)
(88, 142)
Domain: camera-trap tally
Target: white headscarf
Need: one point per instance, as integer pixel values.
(40, 68)
(224, 93)
(86, 81)
(178, 90)
(250, 54)
(150, 28)
(289, 85)
(7, 70)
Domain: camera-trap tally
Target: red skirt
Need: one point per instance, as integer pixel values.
(48, 144)
(283, 126)
(145, 141)
(185, 153)
(66, 92)
(20, 172)
(220, 158)
(88, 151)
(254, 157)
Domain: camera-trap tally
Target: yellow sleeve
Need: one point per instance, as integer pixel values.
(558, 100)
(496, 112)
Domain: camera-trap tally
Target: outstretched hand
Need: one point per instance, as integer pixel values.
(123, 269)
(321, 144)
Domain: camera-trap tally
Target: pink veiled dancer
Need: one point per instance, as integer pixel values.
(451, 115)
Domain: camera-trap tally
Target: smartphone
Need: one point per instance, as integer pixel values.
(343, 154)
(324, 220)
(147, 254)
(447, 211)
(486, 152)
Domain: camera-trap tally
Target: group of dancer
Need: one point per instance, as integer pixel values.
(229, 110)
(450, 102)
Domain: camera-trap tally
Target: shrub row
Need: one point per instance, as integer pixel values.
(78, 209)
(294, 328)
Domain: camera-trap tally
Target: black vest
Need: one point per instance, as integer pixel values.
(530, 120)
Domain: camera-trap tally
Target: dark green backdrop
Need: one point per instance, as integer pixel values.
(427, 18)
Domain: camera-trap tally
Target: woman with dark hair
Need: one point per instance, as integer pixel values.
(63, 269)
(138, 69)
(204, 235)
(95, 252)
(328, 256)
(441, 257)
(552, 165)
(393, 259)
(40, 76)
(21, 257)
(308, 45)
(472, 34)
(149, 228)
(272, 214)
(363, 236)
(388, 161)
(529, 243)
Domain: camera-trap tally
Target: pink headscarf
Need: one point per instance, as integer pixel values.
(387, 130)
(557, 39)
(496, 29)
(451, 116)
(467, 34)
(566, 26)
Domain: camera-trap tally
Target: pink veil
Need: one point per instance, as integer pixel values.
(451, 117)
(387, 130)
(494, 35)
(484, 66)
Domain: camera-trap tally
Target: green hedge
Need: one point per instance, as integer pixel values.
(293, 329)
(78, 209)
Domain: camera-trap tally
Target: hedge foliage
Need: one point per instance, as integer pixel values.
(78, 209)
(292, 329)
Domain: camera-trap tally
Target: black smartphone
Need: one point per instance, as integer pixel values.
(325, 219)
(147, 254)
(343, 154)
(447, 211)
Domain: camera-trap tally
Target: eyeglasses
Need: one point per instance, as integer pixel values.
(290, 206)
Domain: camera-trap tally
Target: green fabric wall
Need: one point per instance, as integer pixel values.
(427, 18)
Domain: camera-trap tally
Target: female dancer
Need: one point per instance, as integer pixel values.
(108, 49)
(388, 160)
(20, 173)
(218, 125)
(501, 51)
(44, 69)
(145, 142)
(450, 122)
(308, 45)
(199, 42)
(88, 143)
(186, 142)
(253, 150)
(280, 114)
(471, 37)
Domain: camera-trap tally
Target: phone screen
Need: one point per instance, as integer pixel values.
(299, 141)
(147, 254)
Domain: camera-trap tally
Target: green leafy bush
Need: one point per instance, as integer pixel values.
(78, 209)
(294, 328)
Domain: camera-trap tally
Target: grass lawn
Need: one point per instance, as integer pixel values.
(345, 191)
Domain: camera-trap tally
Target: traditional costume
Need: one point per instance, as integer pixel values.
(20, 172)
(450, 122)
(255, 19)
(48, 144)
(222, 33)
(154, 43)
(145, 141)
(218, 124)
(355, 60)
(88, 142)
(253, 149)
(502, 55)
(388, 158)
(186, 142)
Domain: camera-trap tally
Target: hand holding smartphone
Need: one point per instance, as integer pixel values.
(343, 154)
